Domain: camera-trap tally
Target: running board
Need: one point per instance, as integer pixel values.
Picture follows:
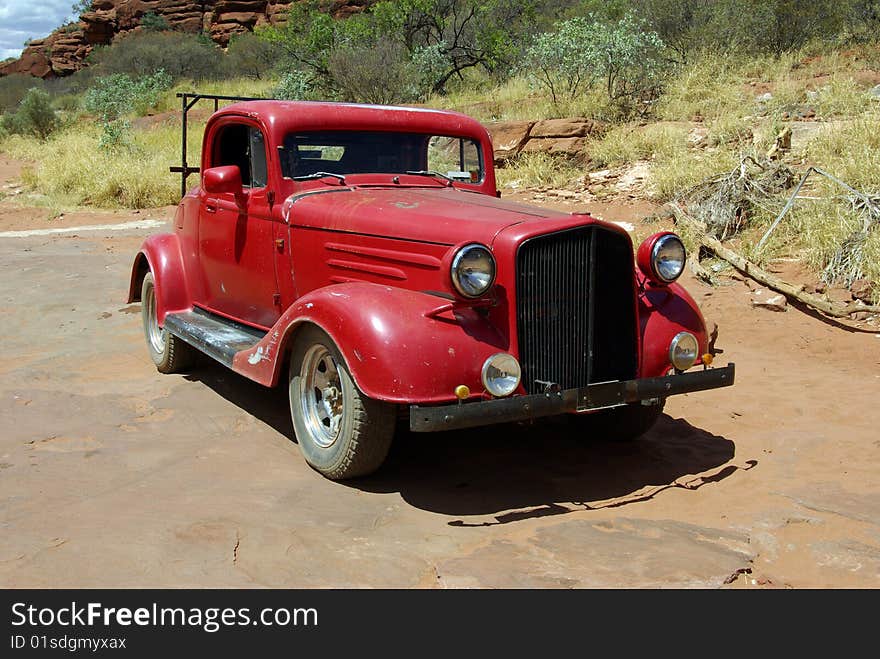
(217, 337)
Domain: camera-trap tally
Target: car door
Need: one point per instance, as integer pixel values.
(236, 232)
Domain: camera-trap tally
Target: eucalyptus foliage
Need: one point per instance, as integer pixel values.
(114, 96)
(620, 57)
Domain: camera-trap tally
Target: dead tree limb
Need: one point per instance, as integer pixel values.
(771, 281)
(699, 271)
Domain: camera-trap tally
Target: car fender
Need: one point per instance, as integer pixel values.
(400, 346)
(161, 255)
(664, 311)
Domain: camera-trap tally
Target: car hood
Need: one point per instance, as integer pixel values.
(444, 216)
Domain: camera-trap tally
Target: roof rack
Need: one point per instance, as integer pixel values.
(187, 101)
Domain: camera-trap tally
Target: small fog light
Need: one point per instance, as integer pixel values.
(501, 374)
(683, 351)
(462, 391)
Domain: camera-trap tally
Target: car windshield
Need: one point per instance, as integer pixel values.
(379, 152)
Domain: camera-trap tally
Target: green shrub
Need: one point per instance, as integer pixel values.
(115, 134)
(34, 116)
(11, 124)
(179, 54)
(754, 26)
(621, 58)
(66, 102)
(295, 86)
(117, 95)
(381, 74)
(14, 87)
(152, 22)
(429, 64)
(561, 62)
(250, 55)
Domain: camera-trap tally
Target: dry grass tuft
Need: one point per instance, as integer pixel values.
(539, 170)
(72, 168)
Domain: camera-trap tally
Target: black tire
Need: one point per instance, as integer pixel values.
(620, 424)
(341, 433)
(169, 353)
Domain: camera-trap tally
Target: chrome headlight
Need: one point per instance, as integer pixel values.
(683, 351)
(501, 374)
(668, 257)
(473, 270)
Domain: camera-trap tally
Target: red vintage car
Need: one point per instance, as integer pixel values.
(361, 256)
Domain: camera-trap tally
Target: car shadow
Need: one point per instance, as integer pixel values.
(512, 471)
(517, 471)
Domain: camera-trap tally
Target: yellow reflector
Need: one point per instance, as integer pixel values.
(707, 359)
(462, 391)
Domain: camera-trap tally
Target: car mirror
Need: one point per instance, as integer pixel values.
(223, 180)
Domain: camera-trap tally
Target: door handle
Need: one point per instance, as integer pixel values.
(211, 207)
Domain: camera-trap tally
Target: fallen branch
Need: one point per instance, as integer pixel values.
(867, 204)
(771, 281)
(699, 271)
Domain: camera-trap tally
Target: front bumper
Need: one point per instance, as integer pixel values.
(591, 397)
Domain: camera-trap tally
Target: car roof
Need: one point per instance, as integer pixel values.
(282, 117)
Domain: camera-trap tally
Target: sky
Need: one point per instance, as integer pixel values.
(29, 19)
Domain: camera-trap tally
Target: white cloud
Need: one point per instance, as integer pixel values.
(27, 19)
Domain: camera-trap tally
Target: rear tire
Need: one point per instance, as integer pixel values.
(169, 353)
(341, 433)
(620, 424)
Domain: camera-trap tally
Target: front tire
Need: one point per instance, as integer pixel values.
(169, 353)
(341, 433)
(621, 424)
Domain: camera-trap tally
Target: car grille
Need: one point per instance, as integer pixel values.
(576, 309)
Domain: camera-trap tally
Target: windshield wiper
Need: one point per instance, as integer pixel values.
(430, 172)
(316, 175)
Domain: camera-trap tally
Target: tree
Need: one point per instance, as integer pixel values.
(308, 37)
(464, 33)
(681, 24)
(449, 35)
(622, 57)
(561, 60)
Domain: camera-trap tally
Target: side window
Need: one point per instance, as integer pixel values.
(259, 174)
(243, 146)
(455, 157)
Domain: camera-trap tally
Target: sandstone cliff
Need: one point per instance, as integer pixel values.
(65, 50)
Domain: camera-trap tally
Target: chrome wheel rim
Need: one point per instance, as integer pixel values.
(155, 334)
(322, 396)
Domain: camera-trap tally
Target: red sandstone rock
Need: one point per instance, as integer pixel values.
(575, 127)
(508, 138)
(65, 50)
